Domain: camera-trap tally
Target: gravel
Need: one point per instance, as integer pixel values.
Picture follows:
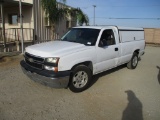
(117, 94)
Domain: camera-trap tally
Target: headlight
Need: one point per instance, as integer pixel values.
(51, 64)
(52, 60)
(55, 69)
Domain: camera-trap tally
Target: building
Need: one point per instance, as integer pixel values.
(36, 26)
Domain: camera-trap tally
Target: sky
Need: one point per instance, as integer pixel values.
(143, 13)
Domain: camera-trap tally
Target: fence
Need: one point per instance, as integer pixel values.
(13, 38)
(14, 34)
(152, 35)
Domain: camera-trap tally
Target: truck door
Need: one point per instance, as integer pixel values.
(107, 50)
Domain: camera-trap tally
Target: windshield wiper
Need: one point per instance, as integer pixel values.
(70, 41)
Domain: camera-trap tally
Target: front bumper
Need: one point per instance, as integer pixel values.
(48, 78)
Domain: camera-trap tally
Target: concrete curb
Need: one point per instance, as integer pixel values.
(8, 54)
(153, 45)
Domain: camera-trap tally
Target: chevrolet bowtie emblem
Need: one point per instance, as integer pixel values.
(30, 60)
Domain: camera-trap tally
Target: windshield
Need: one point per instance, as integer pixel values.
(86, 36)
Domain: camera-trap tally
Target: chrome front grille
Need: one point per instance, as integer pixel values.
(34, 61)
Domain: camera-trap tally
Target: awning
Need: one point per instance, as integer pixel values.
(11, 3)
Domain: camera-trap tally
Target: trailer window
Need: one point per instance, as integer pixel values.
(107, 38)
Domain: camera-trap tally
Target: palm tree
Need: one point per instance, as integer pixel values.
(80, 16)
(55, 14)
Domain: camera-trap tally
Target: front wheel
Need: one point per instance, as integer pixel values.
(80, 78)
(133, 62)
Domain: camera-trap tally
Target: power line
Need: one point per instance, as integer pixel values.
(137, 18)
(128, 18)
(136, 6)
(86, 7)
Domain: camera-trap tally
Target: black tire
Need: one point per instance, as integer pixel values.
(80, 78)
(133, 62)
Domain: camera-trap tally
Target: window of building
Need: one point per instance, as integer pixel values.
(13, 19)
(47, 21)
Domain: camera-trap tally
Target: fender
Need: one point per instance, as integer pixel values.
(67, 62)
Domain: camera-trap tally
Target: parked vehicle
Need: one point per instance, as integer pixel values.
(81, 53)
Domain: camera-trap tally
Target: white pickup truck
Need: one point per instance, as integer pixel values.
(81, 53)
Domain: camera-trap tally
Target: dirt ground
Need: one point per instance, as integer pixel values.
(118, 94)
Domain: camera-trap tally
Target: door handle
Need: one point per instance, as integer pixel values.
(116, 49)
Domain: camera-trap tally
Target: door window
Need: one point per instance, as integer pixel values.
(107, 38)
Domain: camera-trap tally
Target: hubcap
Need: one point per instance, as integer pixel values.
(135, 61)
(80, 79)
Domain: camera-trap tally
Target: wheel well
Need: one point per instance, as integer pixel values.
(137, 51)
(86, 63)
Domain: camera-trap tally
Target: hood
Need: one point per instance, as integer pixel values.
(55, 48)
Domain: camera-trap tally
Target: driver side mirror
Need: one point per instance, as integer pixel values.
(102, 43)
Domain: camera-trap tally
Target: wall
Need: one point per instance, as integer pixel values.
(12, 32)
(152, 35)
(44, 33)
(34, 23)
(27, 19)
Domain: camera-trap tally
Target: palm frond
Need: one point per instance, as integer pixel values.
(81, 17)
(55, 14)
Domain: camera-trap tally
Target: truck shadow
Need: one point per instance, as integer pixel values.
(158, 74)
(133, 111)
(95, 78)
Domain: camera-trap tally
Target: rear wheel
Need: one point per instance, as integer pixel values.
(80, 78)
(134, 61)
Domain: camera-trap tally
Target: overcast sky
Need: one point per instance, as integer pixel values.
(108, 12)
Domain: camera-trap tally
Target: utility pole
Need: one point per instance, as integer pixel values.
(94, 6)
(21, 25)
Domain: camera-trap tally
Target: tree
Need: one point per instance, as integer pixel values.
(55, 14)
(80, 16)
